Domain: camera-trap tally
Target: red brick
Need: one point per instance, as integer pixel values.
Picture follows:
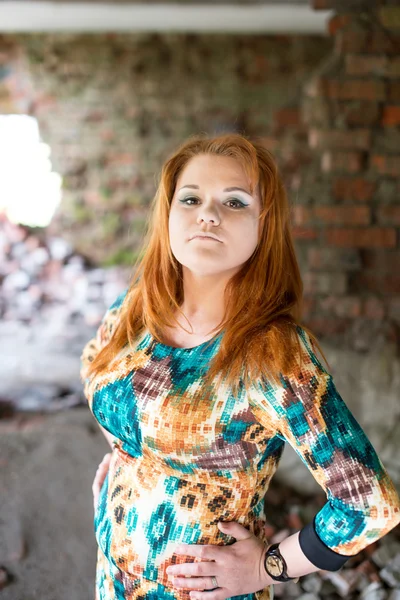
(386, 164)
(341, 306)
(359, 113)
(348, 306)
(380, 66)
(350, 162)
(334, 259)
(373, 41)
(302, 215)
(393, 91)
(382, 261)
(338, 22)
(380, 42)
(348, 40)
(288, 117)
(366, 237)
(359, 139)
(357, 89)
(381, 284)
(393, 68)
(343, 215)
(304, 233)
(374, 308)
(353, 188)
(389, 215)
(394, 309)
(308, 305)
(322, 4)
(391, 115)
(361, 64)
(328, 327)
(269, 142)
(325, 283)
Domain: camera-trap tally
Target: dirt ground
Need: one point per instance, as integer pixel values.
(47, 543)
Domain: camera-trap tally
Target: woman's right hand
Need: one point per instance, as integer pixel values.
(98, 481)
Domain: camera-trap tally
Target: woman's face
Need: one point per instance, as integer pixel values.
(207, 201)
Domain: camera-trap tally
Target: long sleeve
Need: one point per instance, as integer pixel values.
(362, 503)
(99, 341)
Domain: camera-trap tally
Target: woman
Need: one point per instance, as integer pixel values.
(198, 375)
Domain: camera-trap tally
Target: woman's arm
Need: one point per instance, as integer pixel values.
(362, 503)
(297, 562)
(99, 478)
(93, 347)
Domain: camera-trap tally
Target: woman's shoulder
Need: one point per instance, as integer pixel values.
(111, 316)
(119, 300)
(308, 351)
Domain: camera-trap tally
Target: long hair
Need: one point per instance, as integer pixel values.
(263, 300)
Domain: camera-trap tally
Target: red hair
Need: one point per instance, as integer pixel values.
(262, 300)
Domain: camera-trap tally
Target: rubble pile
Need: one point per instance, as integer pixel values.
(36, 272)
(374, 574)
(51, 302)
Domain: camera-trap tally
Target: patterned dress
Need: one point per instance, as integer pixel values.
(179, 465)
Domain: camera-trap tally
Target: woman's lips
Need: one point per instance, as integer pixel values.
(205, 239)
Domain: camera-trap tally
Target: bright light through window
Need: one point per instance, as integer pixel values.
(29, 190)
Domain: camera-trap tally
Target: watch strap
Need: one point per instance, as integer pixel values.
(273, 550)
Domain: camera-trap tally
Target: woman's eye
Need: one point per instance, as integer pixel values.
(184, 201)
(238, 203)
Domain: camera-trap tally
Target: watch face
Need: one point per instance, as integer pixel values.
(274, 566)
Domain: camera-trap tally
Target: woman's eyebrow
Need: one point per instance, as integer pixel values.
(229, 189)
(232, 189)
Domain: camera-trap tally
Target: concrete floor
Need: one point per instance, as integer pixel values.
(46, 513)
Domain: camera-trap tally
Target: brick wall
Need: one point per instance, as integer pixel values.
(348, 219)
(113, 106)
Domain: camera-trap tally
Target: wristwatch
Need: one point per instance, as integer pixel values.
(275, 564)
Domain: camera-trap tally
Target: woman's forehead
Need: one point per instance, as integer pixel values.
(221, 170)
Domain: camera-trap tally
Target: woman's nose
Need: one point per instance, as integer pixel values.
(206, 220)
(208, 215)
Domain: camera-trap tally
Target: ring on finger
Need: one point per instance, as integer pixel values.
(214, 582)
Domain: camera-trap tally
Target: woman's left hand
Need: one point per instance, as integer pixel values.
(99, 478)
(238, 568)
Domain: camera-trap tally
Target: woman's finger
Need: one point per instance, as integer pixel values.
(100, 475)
(106, 459)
